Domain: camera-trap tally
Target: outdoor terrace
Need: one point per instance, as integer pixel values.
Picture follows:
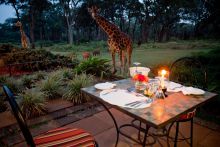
(94, 119)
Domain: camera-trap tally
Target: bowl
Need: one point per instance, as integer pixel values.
(141, 70)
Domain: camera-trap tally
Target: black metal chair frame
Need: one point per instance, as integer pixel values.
(176, 139)
(19, 117)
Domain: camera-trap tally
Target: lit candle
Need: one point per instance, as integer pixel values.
(163, 73)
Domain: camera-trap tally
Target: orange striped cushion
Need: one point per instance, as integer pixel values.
(65, 137)
(188, 115)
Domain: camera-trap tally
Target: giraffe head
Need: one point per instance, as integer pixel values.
(18, 24)
(93, 11)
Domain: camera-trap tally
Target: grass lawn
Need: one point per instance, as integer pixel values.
(149, 54)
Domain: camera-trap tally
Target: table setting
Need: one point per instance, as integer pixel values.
(144, 91)
(154, 101)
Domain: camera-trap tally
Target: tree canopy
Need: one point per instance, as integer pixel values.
(69, 20)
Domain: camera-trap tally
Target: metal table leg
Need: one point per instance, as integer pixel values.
(145, 135)
(115, 123)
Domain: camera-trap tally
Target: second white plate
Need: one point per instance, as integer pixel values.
(104, 86)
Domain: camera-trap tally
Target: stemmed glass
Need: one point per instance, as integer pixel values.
(136, 65)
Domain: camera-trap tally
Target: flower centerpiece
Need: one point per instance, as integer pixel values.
(140, 81)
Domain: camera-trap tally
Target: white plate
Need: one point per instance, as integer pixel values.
(104, 86)
(122, 97)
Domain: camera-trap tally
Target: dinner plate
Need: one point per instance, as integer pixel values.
(104, 86)
(123, 98)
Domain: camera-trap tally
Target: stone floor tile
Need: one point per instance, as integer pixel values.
(211, 140)
(92, 124)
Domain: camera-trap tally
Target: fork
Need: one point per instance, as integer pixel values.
(138, 103)
(112, 90)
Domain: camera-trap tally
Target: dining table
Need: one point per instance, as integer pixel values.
(158, 115)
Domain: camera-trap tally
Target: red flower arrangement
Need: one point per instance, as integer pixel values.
(140, 78)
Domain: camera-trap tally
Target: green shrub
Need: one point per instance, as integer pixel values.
(40, 59)
(50, 87)
(32, 103)
(68, 73)
(95, 66)
(74, 93)
(27, 81)
(3, 79)
(16, 85)
(39, 75)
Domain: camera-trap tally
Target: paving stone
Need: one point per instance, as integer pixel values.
(211, 140)
(58, 104)
(101, 126)
(7, 119)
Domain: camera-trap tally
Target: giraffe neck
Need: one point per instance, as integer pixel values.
(107, 26)
(21, 30)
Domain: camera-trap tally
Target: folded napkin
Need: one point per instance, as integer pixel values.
(192, 90)
(175, 87)
(122, 97)
(103, 86)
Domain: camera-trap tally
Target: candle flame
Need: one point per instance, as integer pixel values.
(163, 72)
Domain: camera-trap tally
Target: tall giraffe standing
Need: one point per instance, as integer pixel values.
(24, 39)
(118, 41)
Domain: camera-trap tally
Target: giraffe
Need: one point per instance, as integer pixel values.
(118, 41)
(24, 39)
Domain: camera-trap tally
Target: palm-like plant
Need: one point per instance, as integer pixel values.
(74, 93)
(27, 81)
(95, 66)
(50, 87)
(32, 103)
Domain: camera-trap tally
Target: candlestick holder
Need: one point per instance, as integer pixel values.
(164, 89)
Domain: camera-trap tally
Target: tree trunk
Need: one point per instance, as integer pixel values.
(32, 28)
(70, 31)
(134, 28)
(145, 32)
(16, 10)
(161, 34)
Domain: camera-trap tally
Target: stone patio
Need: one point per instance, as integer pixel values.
(102, 128)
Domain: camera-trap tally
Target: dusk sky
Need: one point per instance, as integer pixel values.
(6, 11)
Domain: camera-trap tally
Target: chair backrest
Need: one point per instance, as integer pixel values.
(189, 71)
(19, 117)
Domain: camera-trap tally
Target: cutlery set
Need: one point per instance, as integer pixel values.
(138, 103)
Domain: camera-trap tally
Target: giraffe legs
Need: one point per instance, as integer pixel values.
(129, 52)
(113, 62)
(123, 61)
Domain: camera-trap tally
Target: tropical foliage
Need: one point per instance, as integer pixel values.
(74, 92)
(95, 66)
(32, 103)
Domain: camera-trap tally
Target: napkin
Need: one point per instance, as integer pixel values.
(192, 90)
(173, 87)
(122, 97)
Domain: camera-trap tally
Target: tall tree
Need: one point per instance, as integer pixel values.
(69, 9)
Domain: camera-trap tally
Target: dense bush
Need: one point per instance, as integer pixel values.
(95, 66)
(37, 59)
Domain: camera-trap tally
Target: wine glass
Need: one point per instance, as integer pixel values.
(136, 65)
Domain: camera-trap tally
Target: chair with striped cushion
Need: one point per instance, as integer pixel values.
(64, 137)
(188, 71)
